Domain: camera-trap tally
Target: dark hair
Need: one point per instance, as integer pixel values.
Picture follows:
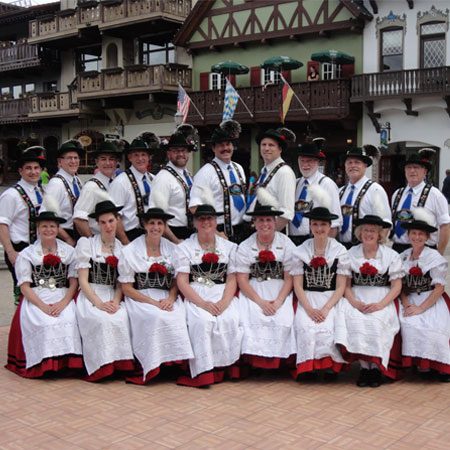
(114, 213)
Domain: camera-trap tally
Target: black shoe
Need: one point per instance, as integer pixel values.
(426, 375)
(307, 376)
(444, 377)
(330, 376)
(374, 377)
(363, 380)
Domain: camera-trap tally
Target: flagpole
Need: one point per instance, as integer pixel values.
(246, 107)
(193, 104)
(295, 95)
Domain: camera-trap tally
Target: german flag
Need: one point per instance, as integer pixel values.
(286, 97)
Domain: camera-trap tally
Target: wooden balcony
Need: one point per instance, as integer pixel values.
(122, 18)
(54, 105)
(14, 110)
(26, 56)
(133, 80)
(325, 100)
(401, 84)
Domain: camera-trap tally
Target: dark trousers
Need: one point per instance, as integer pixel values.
(298, 240)
(348, 245)
(134, 233)
(17, 247)
(399, 248)
(73, 233)
(240, 232)
(182, 232)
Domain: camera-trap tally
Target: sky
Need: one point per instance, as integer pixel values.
(28, 2)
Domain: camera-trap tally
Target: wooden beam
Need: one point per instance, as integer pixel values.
(373, 116)
(410, 4)
(409, 111)
(374, 6)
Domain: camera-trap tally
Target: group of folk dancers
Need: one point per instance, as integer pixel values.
(134, 274)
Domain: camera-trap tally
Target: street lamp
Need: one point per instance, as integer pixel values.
(178, 118)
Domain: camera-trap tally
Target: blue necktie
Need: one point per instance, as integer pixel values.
(297, 220)
(110, 180)
(346, 223)
(237, 199)
(188, 178)
(38, 196)
(261, 179)
(399, 230)
(147, 190)
(76, 190)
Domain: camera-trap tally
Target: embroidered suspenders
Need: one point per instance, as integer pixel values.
(226, 195)
(271, 175)
(304, 205)
(32, 212)
(137, 193)
(355, 209)
(72, 197)
(187, 192)
(99, 184)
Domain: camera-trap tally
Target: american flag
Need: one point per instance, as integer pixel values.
(183, 103)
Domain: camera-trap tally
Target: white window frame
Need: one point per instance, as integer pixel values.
(331, 71)
(217, 81)
(270, 77)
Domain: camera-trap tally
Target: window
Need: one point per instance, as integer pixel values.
(331, 71)
(29, 87)
(217, 81)
(152, 54)
(89, 61)
(391, 49)
(270, 77)
(50, 86)
(17, 91)
(432, 44)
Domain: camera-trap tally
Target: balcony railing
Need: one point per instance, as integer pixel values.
(21, 56)
(139, 79)
(401, 84)
(108, 14)
(49, 103)
(13, 109)
(325, 100)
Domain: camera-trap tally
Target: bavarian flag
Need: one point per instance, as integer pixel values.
(230, 101)
(286, 97)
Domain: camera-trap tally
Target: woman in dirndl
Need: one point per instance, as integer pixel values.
(206, 277)
(44, 336)
(102, 317)
(320, 268)
(366, 320)
(265, 298)
(424, 313)
(157, 316)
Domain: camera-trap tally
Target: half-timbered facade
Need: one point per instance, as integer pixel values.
(250, 32)
(405, 87)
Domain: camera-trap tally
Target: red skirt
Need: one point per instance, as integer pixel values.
(108, 370)
(64, 364)
(137, 377)
(213, 376)
(319, 364)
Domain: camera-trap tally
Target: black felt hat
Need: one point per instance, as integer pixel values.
(220, 135)
(138, 145)
(178, 139)
(73, 145)
(32, 154)
(47, 215)
(371, 219)
(360, 153)
(276, 135)
(106, 206)
(320, 213)
(418, 225)
(310, 150)
(206, 210)
(107, 147)
(156, 213)
(416, 158)
(264, 210)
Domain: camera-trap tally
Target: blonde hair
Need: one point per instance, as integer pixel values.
(381, 235)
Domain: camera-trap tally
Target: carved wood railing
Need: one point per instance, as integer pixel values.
(20, 56)
(54, 102)
(14, 108)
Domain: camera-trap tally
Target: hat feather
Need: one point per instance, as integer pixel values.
(288, 134)
(378, 205)
(187, 130)
(159, 200)
(265, 198)
(427, 152)
(320, 195)
(423, 215)
(232, 127)
(151, 139)
(372, 151)
(206, 196)
(121, 144)
(49, 203)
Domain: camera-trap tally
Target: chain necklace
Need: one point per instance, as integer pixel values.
(108, 246)
(262, 244)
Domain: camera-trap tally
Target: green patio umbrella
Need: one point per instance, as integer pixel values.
(229, 68)
(280, 63)
(332, 56)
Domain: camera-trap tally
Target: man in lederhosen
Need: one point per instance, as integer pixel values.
(175, 181)
(309, 158)
(106, 158)
(132, 190)
(276, 176)
(65, 187)
(419, 193)
(360, 196)
(226, 180)
(17, 205)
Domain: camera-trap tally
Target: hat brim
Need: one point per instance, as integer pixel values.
(61, 153)
(370, 221)
(41, 161)
(427, 164)
(190, 147)
(155, 215)
(267, 213)
(97, 153)
(312, 155)
(364, 158)
(282, 143)
(95, 215)
(42, 218)
(415, 225)
(311, 216)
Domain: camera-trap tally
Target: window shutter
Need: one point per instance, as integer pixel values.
(204, 81)
(347, 70)
(232, 79)
(255, 76)
(286, 75)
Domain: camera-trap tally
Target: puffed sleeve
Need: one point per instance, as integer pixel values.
(126, 273)
(83, 254)
(395, 267)
(69, 259)
(23, 269)
(243, 259)
(231, 268)
(181, 260)
(439, 271)
(297, 261)
(343, 267)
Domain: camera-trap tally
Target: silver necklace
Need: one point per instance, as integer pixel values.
(108, 246)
